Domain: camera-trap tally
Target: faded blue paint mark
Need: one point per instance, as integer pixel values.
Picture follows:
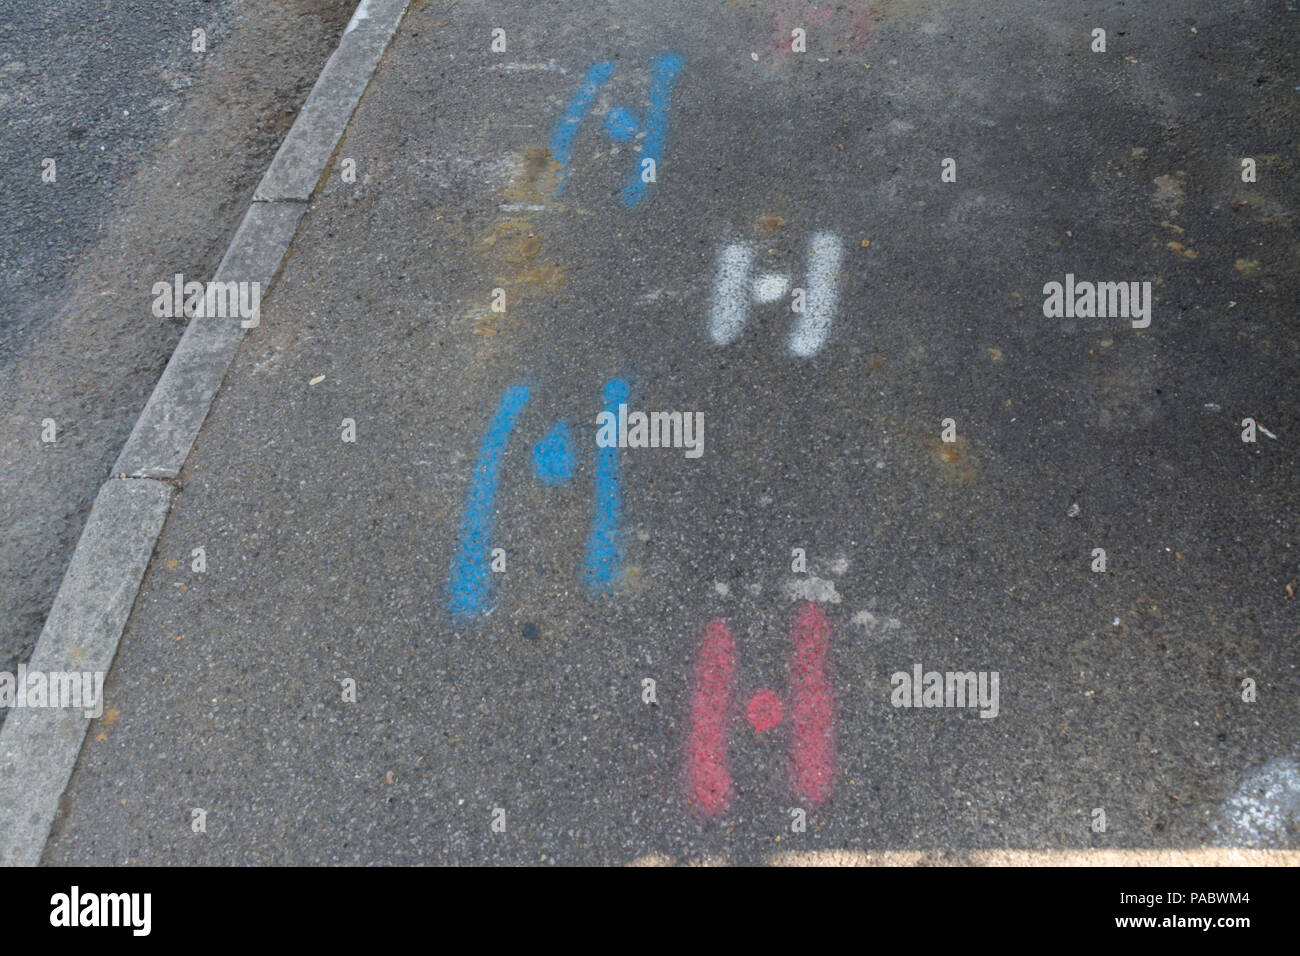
(553, 456)
(664, 70)
(621, 125)
(471, 574)
(604, 546)
(566, 128)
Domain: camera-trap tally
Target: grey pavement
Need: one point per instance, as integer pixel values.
(332, 561)
(158, 150)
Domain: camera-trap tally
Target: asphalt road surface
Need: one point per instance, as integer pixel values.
(352, 680)
(157, 149)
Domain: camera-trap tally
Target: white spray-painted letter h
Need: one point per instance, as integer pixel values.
(735, 289)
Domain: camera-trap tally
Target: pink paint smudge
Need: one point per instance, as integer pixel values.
(805, 15)
(764, 711)
(859, 28)
(708, 774)
(812, 716)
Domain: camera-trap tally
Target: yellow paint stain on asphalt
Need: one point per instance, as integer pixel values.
(954, 459)
(536, 177)
(509, 234)
(631, 577)
(884, 12)
(515, 250)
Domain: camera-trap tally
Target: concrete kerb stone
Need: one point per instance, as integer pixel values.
(164, 434)
(39, 746)
(305, 152)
